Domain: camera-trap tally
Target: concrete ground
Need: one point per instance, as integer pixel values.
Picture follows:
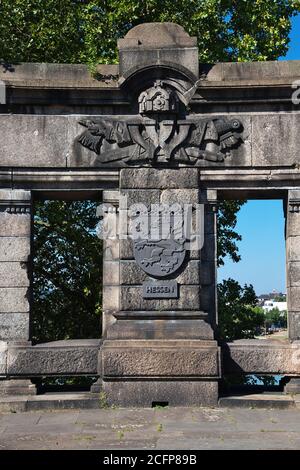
(160, 428)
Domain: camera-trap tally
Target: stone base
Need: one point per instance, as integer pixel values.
(17, 387)
(293, 386)
(151, 393)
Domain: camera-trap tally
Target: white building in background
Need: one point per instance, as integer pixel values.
(270, 304)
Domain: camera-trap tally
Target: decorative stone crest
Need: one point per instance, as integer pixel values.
(158, 99)
(159, 258)
(157, 135)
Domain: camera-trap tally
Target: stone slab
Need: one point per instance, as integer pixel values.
(154, 178)
(53, 359)
(274, 139)
(160, 329)
(262, 357)
(13, 274)
(14, 225)
(263, 401)
(132, 274)
(14, 249)
(174, 393)
(14, 300)
(294, 325)
(3, 357)
(14, 326)
(131, 298)
(45, 140)
(160, 359)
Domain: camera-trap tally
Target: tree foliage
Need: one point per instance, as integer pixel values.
(275, 317)
(86, 31)
(227, 236)
(67, 271)
(240, 317)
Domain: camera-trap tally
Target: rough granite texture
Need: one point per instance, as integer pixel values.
(14, 326)
(43, 360)
(258, 356)
(156, 362)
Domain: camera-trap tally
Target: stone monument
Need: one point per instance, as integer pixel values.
(158, 131)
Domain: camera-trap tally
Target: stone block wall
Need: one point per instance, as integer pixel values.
(15, 264)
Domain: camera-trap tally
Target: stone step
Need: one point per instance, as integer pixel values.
(261, 400)
(50, 401)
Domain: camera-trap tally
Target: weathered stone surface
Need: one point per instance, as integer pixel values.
(208, 298)
(293, 274)
(14, 248)
(158, 44)
(262, 357)
(144, 196)
(293, 298)
(14, 195)
(132, 299)
(157, 35)
(3, 357)
(207, 273)
(14, 225)
(132, 274)
(80, 357)
(14, 326)
(293, 248)
(110, 273)
(208, 252)
(14, 299)
(275, 139)
(126, 249)
(13, 275)
(111, 249)
(160, 359)
(155, 178)
(17, 387)
(110, 296)
(294, 325)
(45, 140)
(180, 196)
(175, 393)
(293, 386)
(160, 329)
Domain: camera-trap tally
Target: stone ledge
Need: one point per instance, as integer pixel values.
(261, 357)
(57, 358)
(163, 359)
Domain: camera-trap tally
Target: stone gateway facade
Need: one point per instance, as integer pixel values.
(158, 129)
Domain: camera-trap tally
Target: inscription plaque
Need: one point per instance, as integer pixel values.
(160, 290)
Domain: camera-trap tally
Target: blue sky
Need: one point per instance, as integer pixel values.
(261, 224)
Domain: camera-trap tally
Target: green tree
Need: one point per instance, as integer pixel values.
(67, 271)
(86, 31)
(275, 317)
(240, 317)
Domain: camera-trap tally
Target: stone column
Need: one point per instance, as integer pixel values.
(293, 275)
(111, 275)
(163, 349)
(293, 263)
(15, 274)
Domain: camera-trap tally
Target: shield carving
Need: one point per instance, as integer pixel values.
(160, 258)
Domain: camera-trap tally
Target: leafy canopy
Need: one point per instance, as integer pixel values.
(240, 317)
(86, 31)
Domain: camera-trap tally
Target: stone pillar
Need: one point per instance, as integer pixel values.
(293, 275)
(163, 349)
(293, 263)
(15, 274)
(111, 275)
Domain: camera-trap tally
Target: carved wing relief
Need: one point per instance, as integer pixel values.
(156, 135)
